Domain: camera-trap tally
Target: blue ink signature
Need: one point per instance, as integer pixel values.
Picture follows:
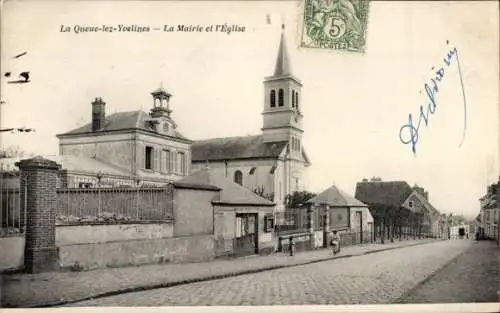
(431, 90)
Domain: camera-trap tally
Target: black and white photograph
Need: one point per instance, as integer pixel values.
(263, 155)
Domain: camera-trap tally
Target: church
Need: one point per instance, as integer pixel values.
(271, 163)
(138, 148)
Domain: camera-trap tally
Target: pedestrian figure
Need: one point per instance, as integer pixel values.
(335, 242)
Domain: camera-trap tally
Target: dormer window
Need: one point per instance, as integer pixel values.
(273, 98)
(281, 97)
(410, 204)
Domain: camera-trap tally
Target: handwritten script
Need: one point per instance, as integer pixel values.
(409, 133)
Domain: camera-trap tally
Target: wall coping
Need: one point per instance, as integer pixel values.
(99, 223)
(38, 162)
(113, 189)
(194, 186)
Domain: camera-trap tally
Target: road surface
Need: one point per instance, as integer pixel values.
(378, 278)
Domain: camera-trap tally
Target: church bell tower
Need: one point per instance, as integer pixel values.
(282, 117)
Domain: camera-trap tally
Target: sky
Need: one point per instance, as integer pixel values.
(354, 104)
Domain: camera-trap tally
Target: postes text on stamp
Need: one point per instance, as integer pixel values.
(335, 24)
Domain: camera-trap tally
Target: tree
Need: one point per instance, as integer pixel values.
(12, 152)
(298, 198)
(260, 191)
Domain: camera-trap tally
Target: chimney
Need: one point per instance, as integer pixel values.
(98, 114)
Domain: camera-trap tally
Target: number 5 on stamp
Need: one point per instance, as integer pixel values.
(335, 24)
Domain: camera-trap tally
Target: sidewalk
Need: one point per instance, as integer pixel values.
(58, 288)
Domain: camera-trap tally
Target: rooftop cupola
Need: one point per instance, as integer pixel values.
(161, 103)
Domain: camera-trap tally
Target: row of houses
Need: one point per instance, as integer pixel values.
(486, 223)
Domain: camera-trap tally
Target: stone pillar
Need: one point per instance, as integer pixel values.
(327, 226)
(310, 225)
(38, 184)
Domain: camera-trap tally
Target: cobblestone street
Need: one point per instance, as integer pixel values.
(378, 278)
(472, 277)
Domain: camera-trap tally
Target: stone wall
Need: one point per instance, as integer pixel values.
(85, 247)
(194, 213)
(11, 252)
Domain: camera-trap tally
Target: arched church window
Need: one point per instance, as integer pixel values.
(281, 97)
(293, 98)
(273, 98)
(297, 100)
(238, 177)
(252, 170)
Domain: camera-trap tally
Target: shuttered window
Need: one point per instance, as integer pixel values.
(148, 158)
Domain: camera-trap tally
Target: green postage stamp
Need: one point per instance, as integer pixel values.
(335, 24)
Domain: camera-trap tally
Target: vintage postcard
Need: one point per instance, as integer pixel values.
(272, 155)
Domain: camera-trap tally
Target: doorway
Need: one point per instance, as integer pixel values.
(246, 237)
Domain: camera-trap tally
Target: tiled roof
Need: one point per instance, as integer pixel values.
(72, 163)
(123, 120)
(235, 148)
(333, 196)
(478, 217)
(383, 193)
(231, 193)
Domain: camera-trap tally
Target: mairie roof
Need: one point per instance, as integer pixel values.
(121, 121)
(231, 193)
(335, 197)
(71, 163)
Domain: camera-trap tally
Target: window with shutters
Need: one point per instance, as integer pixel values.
(281, 97)
(273, 98)
(149, 158)
(181, 163)
(165, 161)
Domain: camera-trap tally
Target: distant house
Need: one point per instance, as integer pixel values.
(490, 212)
(243, 221)
(398, 206)
(344, 213)
(460, 231)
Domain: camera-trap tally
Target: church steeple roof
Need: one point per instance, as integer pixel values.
(282, 67)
